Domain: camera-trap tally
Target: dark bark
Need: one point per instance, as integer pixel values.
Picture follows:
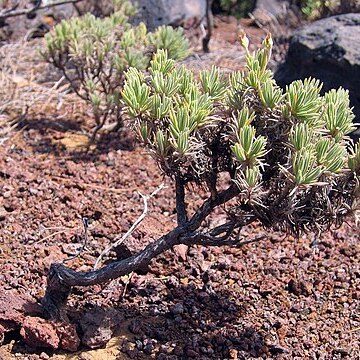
(180, 200)
(210, 25)
(208, 206)
(57, 293)
(61, 278)
(119, 122)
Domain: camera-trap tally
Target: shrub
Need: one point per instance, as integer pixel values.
(93, 53)
(287, 157)
(314, 9)
(286, 151)
(237, 8)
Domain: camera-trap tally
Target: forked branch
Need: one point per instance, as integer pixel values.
(132, 228)
(61, 278)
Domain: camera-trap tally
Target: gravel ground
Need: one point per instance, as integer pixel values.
(281, 298)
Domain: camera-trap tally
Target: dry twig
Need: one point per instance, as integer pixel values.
(145, 198)
(38, 6)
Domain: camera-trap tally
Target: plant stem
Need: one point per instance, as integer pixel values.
(209, 24)
(61, 278)
(180, 200)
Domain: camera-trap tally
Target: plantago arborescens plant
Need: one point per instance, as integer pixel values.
(282, 158)
(291, 146)
(93, 53)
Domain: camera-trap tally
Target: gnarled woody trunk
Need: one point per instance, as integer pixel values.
(61, 279)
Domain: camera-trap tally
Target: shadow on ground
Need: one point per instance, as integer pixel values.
(186, 323)
(66, 138)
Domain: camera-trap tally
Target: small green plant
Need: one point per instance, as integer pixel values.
(314, 9)
(237, 8)
(281, 158)
(93, 53)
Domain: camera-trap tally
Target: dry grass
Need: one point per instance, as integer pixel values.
(28, 89)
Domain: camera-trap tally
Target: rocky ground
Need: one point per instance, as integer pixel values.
(281, 297)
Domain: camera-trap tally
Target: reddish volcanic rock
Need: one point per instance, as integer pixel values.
(11, 309)
(69, 339)
(38, 332)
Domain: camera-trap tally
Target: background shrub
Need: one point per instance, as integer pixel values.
(237, 8)
(93, 53)
(314, 9)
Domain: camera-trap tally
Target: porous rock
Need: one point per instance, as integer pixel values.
(69, 339)
(169, 12)
(41, 333)
(37, 332)
(327, 49)
(13, 309)
(273, 7)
